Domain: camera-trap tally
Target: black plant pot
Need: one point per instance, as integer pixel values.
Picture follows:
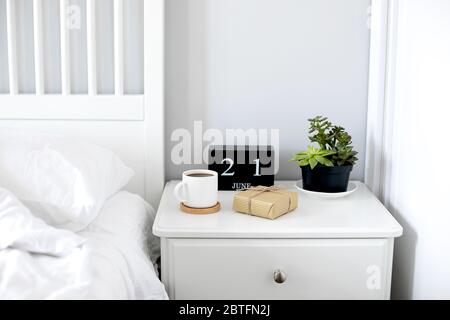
(326, 179)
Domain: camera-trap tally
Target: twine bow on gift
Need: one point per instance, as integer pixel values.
(262, 189)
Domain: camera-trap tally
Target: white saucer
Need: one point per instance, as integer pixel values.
(352, 186)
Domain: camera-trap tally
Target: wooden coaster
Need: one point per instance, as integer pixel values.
(190, 210)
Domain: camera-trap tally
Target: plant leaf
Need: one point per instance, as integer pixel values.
(303, 163)
(325, 153)
(324, 161)
(313, 162)
(300, 157)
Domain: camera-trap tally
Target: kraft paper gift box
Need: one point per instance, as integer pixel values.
(265, 202)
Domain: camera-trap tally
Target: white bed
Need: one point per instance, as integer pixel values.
(115, 262)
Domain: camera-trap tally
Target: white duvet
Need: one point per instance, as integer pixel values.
(110, 259)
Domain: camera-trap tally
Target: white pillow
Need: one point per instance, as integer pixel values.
(135, 226)
(62, 181)
(21, 230)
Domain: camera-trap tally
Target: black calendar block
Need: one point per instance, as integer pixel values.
(241, 167)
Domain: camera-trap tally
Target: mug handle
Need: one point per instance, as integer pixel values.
(177, 189)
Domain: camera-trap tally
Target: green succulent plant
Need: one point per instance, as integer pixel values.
(313, 157)
(334, 142)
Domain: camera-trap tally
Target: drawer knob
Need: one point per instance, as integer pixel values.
(279, 276)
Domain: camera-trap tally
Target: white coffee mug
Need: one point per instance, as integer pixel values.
(198, 189)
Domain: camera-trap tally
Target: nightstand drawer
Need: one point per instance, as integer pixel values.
(310, 268)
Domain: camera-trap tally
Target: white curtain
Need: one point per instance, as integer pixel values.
(416, 161)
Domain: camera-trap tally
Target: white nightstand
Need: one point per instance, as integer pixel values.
(326, 249)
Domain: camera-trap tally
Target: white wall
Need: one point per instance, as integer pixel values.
(231, 63)
(418, 182)
(267, 64)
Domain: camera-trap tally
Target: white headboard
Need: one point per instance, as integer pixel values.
(132, 125)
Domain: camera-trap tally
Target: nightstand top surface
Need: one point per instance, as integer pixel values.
(359, 215)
